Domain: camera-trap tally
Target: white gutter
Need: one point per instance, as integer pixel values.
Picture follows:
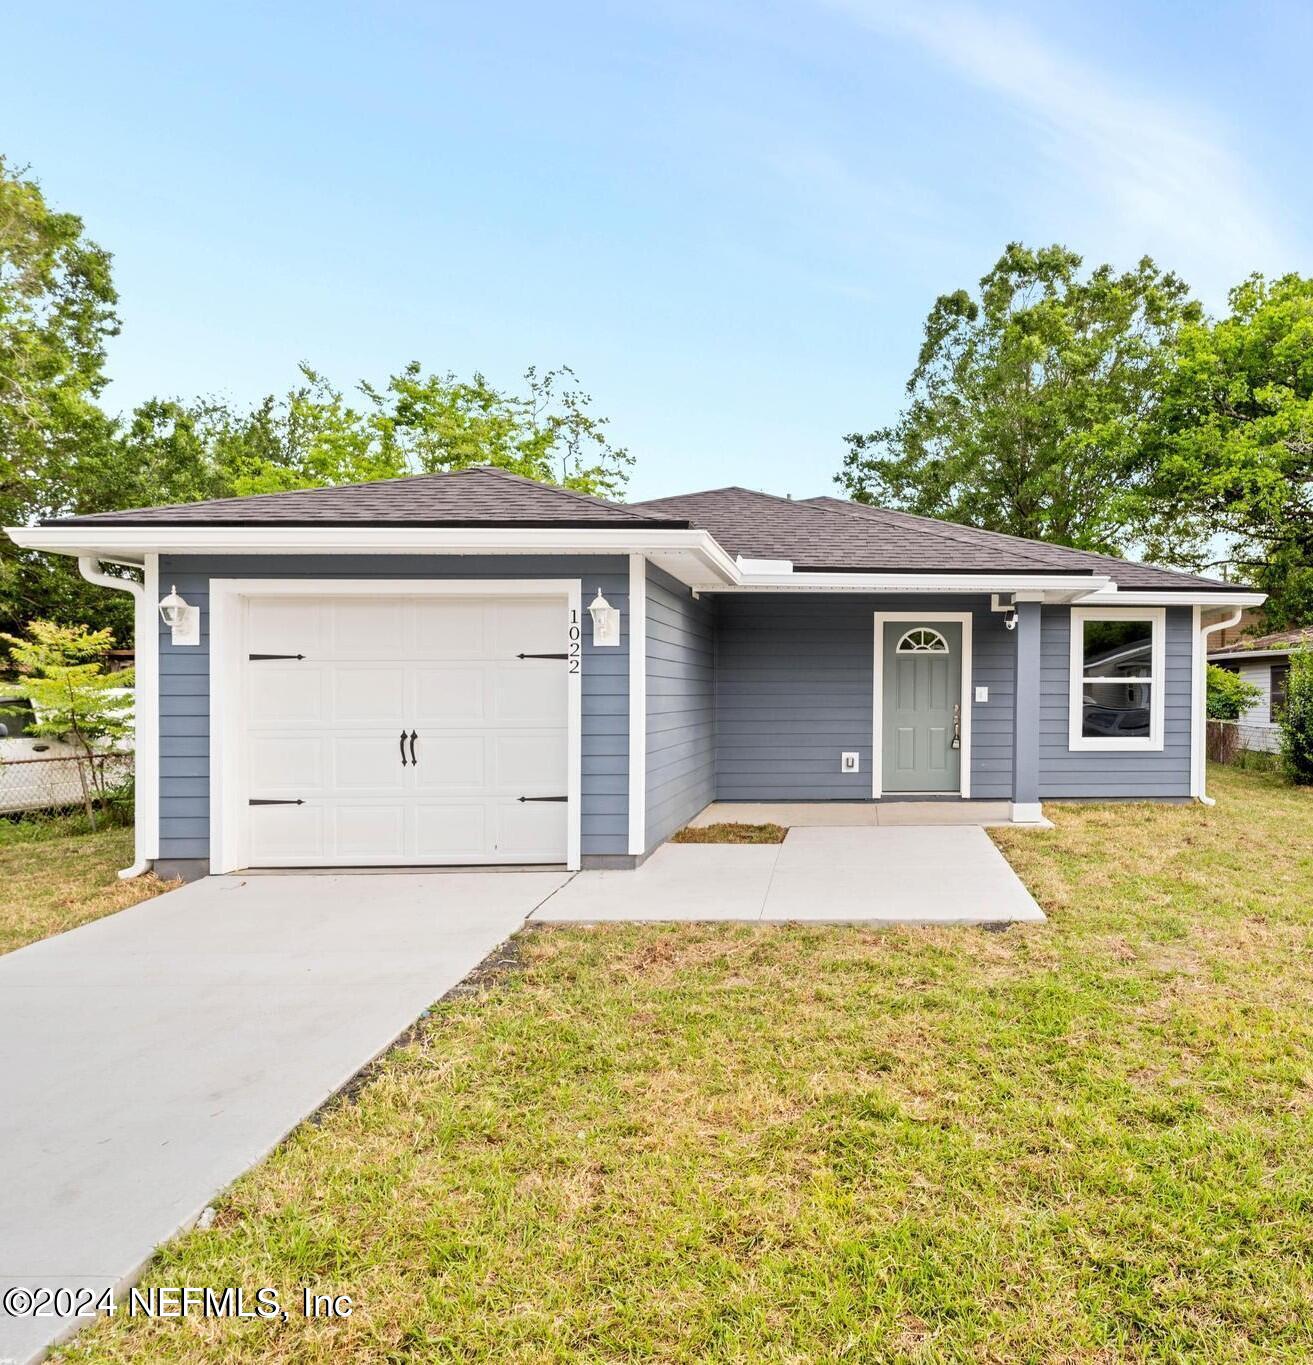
(1168, 597)
(146, 726)
(1200, 751)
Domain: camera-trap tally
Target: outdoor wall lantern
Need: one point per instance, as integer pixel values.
(606, 621)
(183, 621)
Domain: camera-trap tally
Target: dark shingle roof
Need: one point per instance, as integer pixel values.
(830, 535)
(1277, 643)
(478, 496)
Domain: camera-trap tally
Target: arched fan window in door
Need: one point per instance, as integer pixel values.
(922, 640)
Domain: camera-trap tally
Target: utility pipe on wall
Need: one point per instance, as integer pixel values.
(145, 704)
(1202, 721)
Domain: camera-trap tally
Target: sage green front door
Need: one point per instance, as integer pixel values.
(922, 697)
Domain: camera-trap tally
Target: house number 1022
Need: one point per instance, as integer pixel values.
(573, 652)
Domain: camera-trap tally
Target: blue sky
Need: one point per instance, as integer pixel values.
(731, 219)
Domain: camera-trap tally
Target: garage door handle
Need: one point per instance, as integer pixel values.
(542, 656)
(542, 798)
(414, 762)
(403, 748)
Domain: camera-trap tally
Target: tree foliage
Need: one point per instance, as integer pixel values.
(1229, 695)
(74, 695)
(1028, 402)
(1297, 719)
(1231, 457)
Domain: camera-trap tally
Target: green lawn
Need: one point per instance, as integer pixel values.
(55, 875)
(1088, 1140)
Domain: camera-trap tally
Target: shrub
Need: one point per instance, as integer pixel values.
(1297, 720)
(1229, 695)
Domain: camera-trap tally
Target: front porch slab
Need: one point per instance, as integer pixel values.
(860, 814)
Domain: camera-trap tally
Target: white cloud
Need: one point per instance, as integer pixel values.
(1154, 175)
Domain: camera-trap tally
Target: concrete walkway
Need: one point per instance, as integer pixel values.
(893, 875)
(150, 1058)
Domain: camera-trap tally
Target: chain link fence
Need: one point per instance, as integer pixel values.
(44, 786)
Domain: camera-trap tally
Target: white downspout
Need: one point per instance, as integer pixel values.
(146, 740)
(1201, 720)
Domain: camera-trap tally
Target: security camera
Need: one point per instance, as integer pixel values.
(1010, 620)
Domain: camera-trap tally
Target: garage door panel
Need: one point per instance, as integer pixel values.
(450, 629)
(527, 764)
(451, 763)
(287, 835)
(531, 829)
(451, 829)
(370, 762)
(368, 628)
(369, 831)
(527, 626)
(529, 693)
(284, 695)
(367, 694)
(442, 694)
(287, 625)
(287, 765)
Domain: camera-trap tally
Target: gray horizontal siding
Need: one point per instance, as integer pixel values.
(680, 682)
(184, 680)
(1114, 773)
(794, 689)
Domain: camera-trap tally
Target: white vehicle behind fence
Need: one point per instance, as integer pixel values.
(39, 773)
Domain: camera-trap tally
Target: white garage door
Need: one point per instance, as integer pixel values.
(410, 730)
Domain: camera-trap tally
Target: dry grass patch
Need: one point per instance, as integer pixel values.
(729, 833)
(54, 875)
(1085, 1141)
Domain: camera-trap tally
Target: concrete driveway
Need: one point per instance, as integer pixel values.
(891, 875)
(150, 1058)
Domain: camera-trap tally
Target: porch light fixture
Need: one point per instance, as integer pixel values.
(182, 619)
(606, 621)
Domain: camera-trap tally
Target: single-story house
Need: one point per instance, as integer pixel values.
(475, 668)
(1263, 660)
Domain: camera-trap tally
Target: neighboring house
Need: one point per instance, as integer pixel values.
(409, 672)
(1263, 660)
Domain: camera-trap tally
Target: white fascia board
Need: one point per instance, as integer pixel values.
(1128, 597)
(703, 556)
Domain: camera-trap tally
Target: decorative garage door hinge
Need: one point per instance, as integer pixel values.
(542, 656)
(256, 657)
(542, 798)
(273, 801)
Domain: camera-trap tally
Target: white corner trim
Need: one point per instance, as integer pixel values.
(1199, 701)
(1153, 742)
(228, 599)
(964, 619)
(637, 703)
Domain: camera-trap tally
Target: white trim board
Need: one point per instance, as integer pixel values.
(964, 619)
(227, 641)
(1076, 741)
(637, 704)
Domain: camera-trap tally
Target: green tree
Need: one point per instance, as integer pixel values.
(74, 696)
(1229, 695)
(1230, 462)
(1028, 402)
(1297, 719)
(57, 311)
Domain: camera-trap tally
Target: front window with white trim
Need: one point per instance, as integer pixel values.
(1117, 657)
